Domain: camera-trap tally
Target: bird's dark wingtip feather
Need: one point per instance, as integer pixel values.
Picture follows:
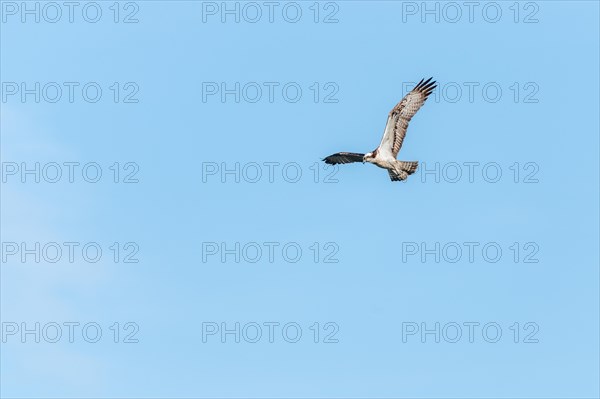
(425, 85)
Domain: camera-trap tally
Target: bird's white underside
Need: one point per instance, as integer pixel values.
(385, 149)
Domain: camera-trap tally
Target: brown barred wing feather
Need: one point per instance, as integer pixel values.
(403, 112)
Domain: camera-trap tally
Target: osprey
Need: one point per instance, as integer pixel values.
(385, 155)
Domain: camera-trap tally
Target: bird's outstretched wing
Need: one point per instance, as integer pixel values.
(401, 114)
(344, 157)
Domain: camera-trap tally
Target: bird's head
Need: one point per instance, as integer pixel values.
(368, 157)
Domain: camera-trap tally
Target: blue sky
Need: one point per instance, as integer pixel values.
(532, 116)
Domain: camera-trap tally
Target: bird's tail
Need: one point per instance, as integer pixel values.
(409, 167)
(403, 169)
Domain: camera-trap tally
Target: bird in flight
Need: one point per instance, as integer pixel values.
(385, 155)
